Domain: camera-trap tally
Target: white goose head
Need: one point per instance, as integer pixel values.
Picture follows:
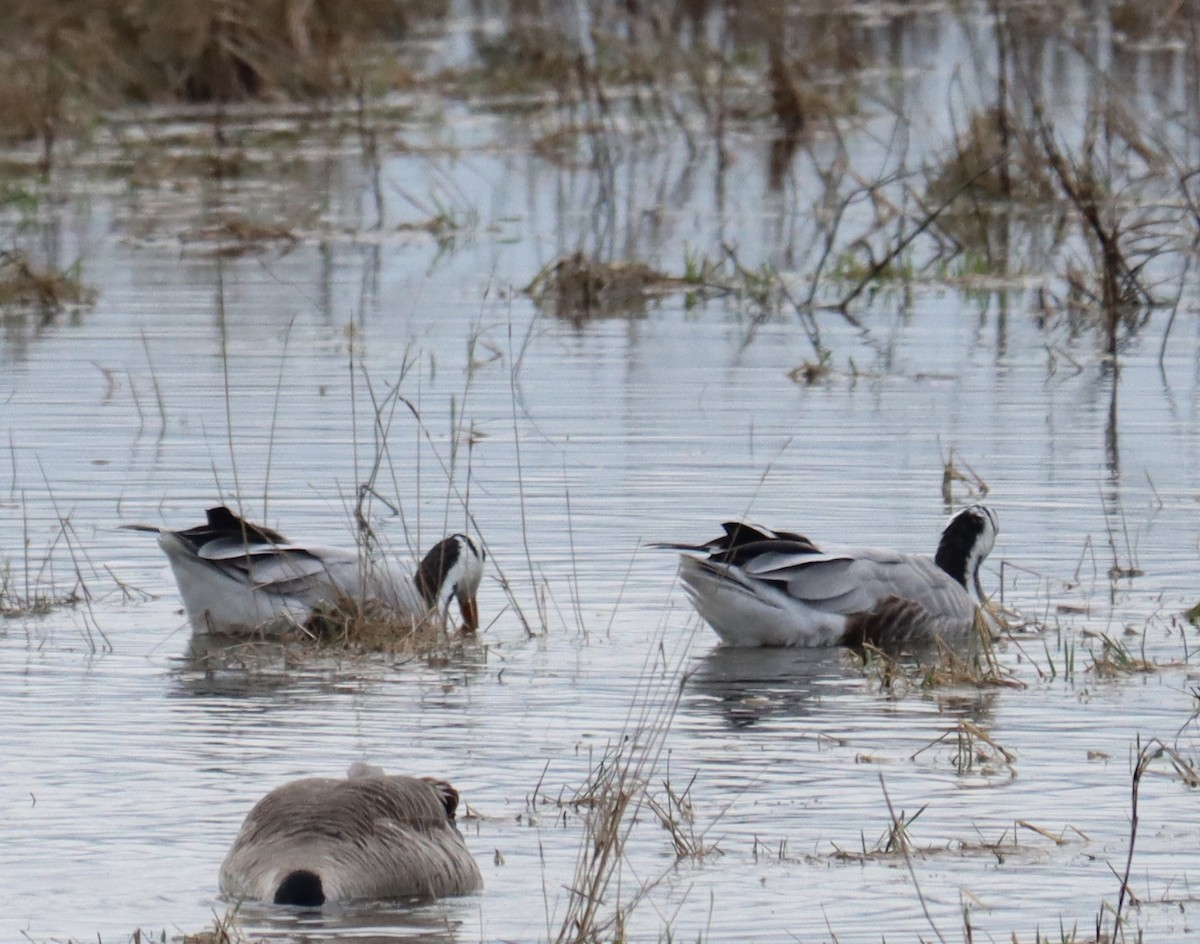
(453, 568)
(966, 541)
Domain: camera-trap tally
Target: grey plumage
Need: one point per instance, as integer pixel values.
(239, 578)
(369, 836)
(758, 587)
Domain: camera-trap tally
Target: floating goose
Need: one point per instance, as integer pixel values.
(369, 836)
(237, 578)
(776, 588)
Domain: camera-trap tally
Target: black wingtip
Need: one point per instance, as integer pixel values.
(741, 540)
(222, 520)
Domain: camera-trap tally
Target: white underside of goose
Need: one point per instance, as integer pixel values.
(757, 587)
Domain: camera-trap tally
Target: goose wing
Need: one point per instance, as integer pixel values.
(755, 586)
(287, 569)
(858, 580)
(265, 560)
(839, 581)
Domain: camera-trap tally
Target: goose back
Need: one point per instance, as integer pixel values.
(240, 578)
(370, 836)
(758, 587)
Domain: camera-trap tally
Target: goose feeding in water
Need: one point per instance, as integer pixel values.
(238, 578)
(757, 587)
(369, 836)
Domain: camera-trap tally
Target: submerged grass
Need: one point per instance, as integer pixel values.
(579, 287)
(17, 600)
(62, 577)
(226, 929)
(372, 627)
(23, 283)
(937, 666)
(1108, 202)
(599, 904)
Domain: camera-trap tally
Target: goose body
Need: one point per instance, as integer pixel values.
(239, 578)
(757, 587)
(368, 836)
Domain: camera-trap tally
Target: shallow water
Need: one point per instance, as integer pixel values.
(256, 377)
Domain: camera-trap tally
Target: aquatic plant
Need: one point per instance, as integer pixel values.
(40, 587)
(598, 908)
(579, 287)
(226, 929)
(23, 283)
(938, 666)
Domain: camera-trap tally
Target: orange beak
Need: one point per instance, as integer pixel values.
(470, 613)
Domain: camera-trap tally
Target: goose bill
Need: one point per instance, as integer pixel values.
(470, 612)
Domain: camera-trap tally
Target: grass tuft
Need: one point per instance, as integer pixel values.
(579, 287)
(225, 930)
(372, 626)
(938, 665)
(22, 283)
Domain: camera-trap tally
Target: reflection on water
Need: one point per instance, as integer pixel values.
(747, 686)
(437, 922)
(224, 665)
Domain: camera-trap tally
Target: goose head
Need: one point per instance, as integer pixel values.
(967, 540)
(453, 568)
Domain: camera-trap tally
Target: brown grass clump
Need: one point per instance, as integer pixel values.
(974, 750)
(939, 665)
(580, 287)
(528, 56)
(64, 58)
(23, 283)
(375, 627)
(238, 236)
(27, 110)
(1151, 22)
(226, 929)
(992, 162)
(796, 101)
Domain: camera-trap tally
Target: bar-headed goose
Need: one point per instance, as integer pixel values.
(757, 587)
(369, 836)
(238, 578)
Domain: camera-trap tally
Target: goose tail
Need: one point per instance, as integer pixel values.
(748, 612)
(302, 888)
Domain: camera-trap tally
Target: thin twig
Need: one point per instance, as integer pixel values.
(908, 861)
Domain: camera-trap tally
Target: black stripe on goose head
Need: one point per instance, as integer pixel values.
(967, 540)
(448, 794)
(433, 570)
(448, 570)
